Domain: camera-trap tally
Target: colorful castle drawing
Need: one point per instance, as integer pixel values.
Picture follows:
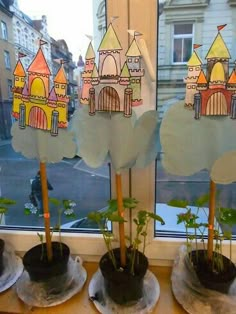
(213, 93)
(109, 87)
(34, 104)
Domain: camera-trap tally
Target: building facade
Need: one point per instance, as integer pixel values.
(7, 62)
(183, 23)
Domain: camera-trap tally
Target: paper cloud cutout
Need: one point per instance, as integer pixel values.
(191, 145)
(125, 142)
(224, 170)
(37, 144)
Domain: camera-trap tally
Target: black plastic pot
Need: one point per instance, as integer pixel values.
(208, 274)
(39, 268)
(2, 246)
(123, 287)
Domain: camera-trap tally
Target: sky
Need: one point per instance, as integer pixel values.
(70, 20)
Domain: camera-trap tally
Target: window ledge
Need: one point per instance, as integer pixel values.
(10, 303)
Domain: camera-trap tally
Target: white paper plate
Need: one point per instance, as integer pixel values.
(37, 294)
(13, 268)
(104, 304)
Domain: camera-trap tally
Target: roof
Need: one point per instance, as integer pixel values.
(202, 78)
(61, 76)
(52, 95)
(39, 64)
(90, 52)
(232, 78)
(125, 71)
(95, 72)
(218, 49)
(19, 69)
(133, 50)
(110, 40)
(194, 60)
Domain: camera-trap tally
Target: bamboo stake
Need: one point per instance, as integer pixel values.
(44, 183)
(121, 224)
(211, 219)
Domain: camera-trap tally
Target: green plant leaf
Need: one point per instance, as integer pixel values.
(202, 200)
(54, 201)
(156, 217)
(178, 203)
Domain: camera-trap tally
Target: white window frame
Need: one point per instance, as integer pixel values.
(4, 30)
(181, 36)
(160, 251)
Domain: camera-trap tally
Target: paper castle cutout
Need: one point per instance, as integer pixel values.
(213, 93)
(109, 87)
(33, 104)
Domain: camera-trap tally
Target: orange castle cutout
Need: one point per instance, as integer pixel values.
(213, 93)
(34, 103)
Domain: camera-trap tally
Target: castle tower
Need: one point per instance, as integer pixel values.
(109, 57)
(218, 55)
(38, 78)
(87, 74)
(231, 84)
(133, 56)
(19, 82)
(60, 81)
(194, 69)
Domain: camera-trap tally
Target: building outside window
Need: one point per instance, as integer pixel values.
(4, 30)
(9, 88)
(182, 42)
(7, 60)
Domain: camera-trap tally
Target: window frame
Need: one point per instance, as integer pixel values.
(181, 36)
(7, 60)
(4, 30)
(140, 182)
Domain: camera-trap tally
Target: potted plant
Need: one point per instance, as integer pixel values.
(36, 261)
(4, 204)
(123, 279)
(218, 272)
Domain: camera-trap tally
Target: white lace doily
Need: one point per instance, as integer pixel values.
(56, 291)
(104, 304)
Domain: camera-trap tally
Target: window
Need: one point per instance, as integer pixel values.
(4, 30)
(182, 42)
(7, 60)
(9, 87)
(71, 178)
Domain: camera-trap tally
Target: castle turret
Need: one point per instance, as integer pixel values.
(133, 56)
(194, 68)
(109, 57)
(87, 74)
(38, 80)
(218, 53)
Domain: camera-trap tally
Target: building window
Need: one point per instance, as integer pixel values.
(4, 30)
(9, 88)
(7, 60)
(182, 42)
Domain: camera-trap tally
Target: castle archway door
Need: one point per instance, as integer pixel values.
(216, 104)
(37, 118)
(108, 99)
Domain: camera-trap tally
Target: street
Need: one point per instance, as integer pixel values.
(89, 188)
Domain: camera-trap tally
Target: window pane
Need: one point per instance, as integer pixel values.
(183, 29)
(71, 179)
(187, 49)
(180, 29)
(178, 50)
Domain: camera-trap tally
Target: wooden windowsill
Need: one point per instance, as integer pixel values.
(80, 303)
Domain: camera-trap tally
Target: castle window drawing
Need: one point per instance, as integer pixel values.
(110, 86)
(213, 92)
(35, 104)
